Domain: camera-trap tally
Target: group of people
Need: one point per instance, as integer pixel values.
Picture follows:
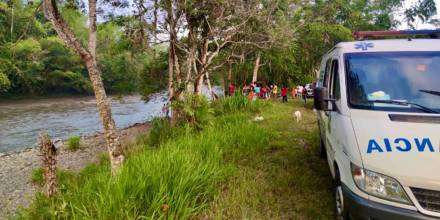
(263, 91)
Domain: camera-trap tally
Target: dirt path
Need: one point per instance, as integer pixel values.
(16, 187)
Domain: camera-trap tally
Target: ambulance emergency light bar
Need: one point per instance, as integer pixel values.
(364, 34)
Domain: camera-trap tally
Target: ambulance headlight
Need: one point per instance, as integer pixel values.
(379, 185)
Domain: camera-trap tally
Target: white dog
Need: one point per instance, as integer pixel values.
(297, 116)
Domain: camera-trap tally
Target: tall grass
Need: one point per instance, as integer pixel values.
(175, 181)
(238, 102)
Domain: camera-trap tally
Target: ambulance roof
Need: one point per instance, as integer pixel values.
(389, 45)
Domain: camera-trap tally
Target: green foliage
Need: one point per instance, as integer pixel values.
(5, 84)
(73, 143)
(193, 111)
(184, 174)
(160, 132)
(38, 176)
(155, 71)
(68, 82)
(34, 60)
(423, 10)
(316, 40)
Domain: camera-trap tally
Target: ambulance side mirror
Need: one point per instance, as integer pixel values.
(321, 99)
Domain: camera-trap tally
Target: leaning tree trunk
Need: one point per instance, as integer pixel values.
(173, 119)
(88, 56)
(256, 67)
(171, 62)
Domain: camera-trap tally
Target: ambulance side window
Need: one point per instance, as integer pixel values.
(335, 86)
(327, 73)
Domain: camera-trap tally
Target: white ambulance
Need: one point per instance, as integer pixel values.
(378, 106)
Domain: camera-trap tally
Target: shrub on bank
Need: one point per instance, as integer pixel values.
(37, 176)
(175, 181)
(160, 132)
(73, 143)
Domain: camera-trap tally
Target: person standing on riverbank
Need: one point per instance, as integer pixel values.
(304, 94)
(275, 90)
(284, 92)
(231, 89)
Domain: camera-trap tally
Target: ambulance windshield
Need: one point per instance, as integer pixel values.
(397, 76)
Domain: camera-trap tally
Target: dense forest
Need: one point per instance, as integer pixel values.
(35, 61)
(282, 41)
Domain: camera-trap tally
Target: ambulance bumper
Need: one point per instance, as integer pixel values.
(359, 208)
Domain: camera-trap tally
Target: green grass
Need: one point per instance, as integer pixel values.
(185, 174)
(73, 143)
(232, 169)
(285, 180)
(38, 176)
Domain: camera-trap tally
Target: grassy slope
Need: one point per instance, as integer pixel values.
(235, 169)
(286, 181)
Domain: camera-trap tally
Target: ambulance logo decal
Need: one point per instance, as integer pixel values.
(363, 46)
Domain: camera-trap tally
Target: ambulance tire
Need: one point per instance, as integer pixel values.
(340, 211)
(322, 150)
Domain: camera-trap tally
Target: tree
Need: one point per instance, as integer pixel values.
(424, 10)
(88, 56)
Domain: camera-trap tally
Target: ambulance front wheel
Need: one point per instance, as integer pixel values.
(341, 213)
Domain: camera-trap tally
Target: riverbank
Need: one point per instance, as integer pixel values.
(235, 168)
(16, 187)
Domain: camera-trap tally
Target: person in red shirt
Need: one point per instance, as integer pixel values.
(304, 94)
(284, 92)
(231, 89)
(263, 92)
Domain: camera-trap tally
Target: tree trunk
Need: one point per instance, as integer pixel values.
(12, 23)
(229, 72)
(114, 146)
(198, 85)
(191, 55)
(227, 81)
(154, 27)
(202, 66)
(177, 67)
(208, 82)
(49, 164)
(173, 119)
(171, 62)
(256, 67)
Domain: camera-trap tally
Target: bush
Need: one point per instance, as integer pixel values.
(160, 132)
(194, 111)
(38, 176)
(176, 181)
(73, 143)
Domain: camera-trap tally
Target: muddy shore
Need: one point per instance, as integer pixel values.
(16, 187)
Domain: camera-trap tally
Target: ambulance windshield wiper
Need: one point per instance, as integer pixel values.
(406, 103)
(432, 92)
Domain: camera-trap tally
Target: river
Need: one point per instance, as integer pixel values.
(21, 121)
